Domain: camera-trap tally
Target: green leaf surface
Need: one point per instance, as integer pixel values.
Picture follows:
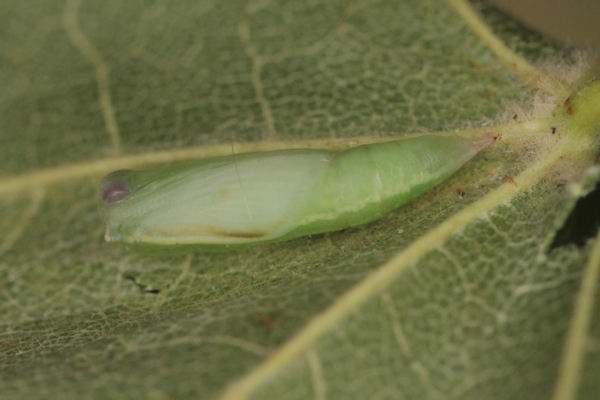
(449, 297)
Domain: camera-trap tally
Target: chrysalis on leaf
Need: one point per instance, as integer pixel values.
(246, 199)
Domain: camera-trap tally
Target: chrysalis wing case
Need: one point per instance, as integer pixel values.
(246, 199)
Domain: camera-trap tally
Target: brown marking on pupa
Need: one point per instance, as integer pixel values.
(240, 234)
(210, 231)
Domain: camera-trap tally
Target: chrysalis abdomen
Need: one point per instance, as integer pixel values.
(246, 199)
(366, 182)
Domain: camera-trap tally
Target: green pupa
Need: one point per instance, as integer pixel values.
(246, 199)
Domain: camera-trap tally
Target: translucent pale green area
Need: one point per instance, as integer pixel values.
(484, 315)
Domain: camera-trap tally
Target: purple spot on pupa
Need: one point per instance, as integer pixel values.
(114, 191)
